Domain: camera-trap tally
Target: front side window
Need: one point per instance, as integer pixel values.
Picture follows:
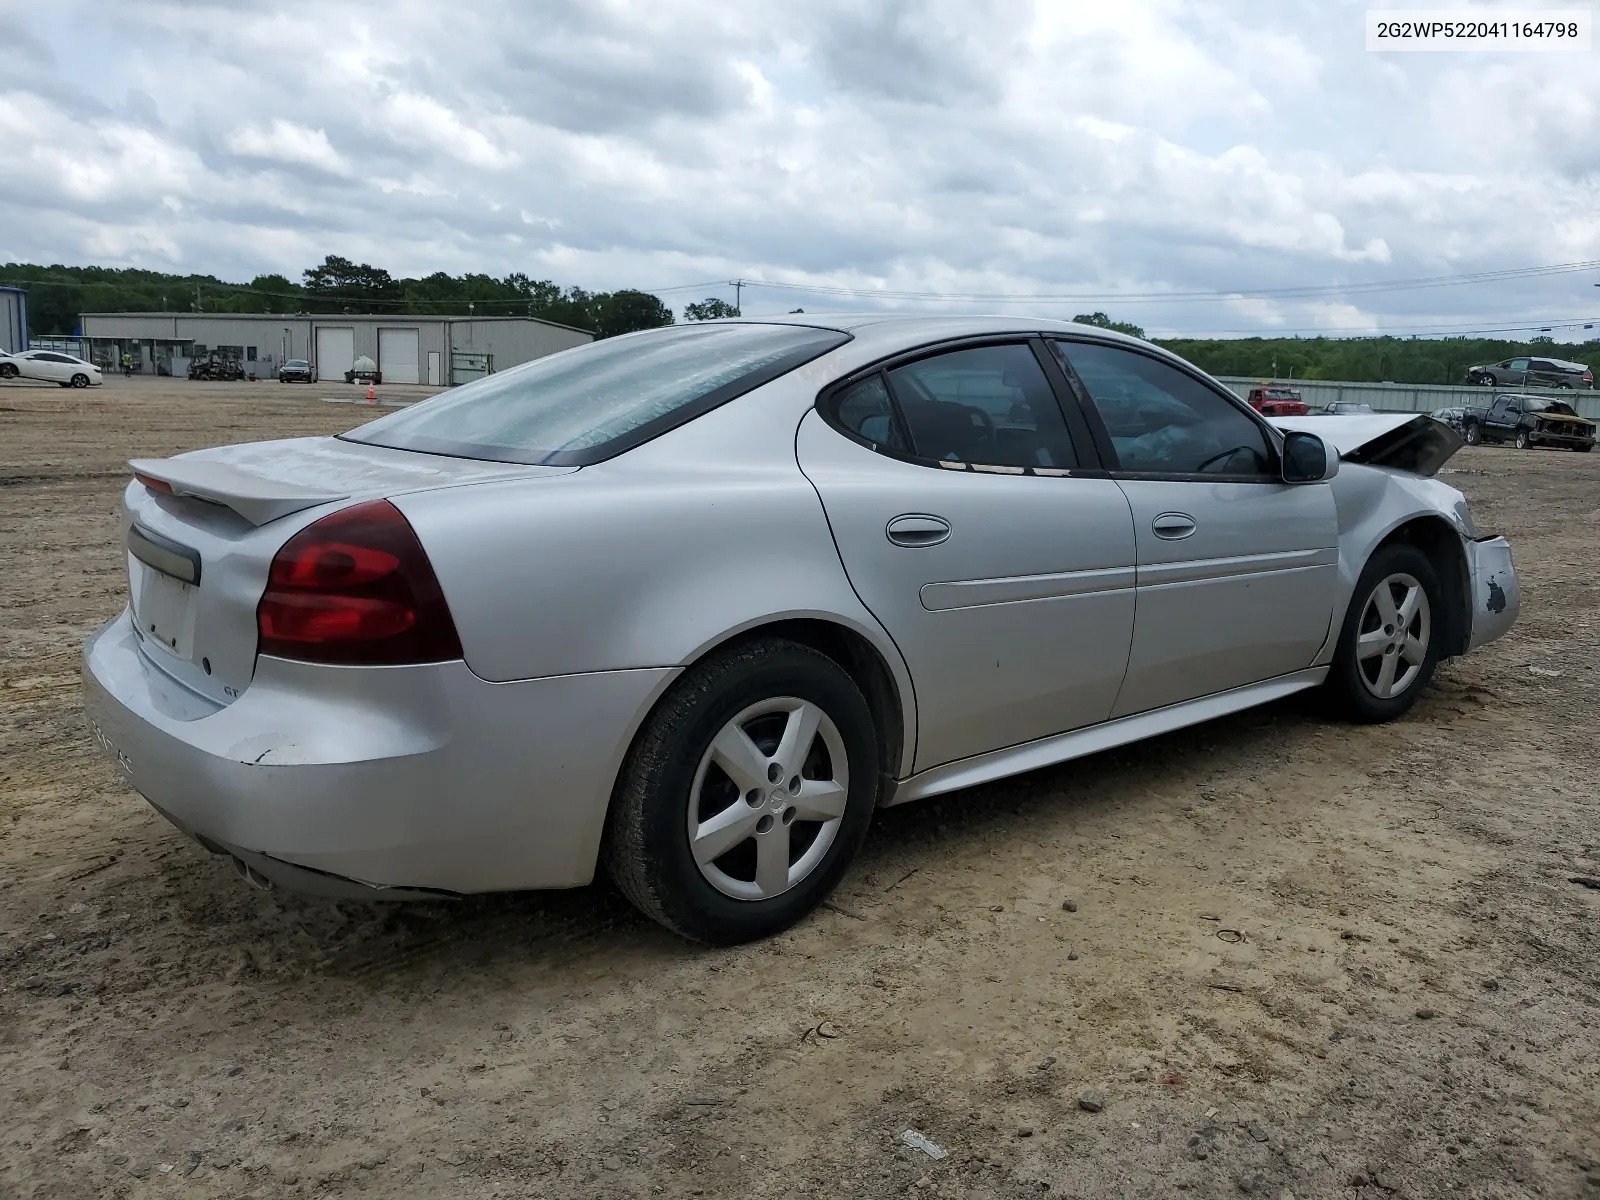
(1164, 421)
(986, 406)
(586, 404)
(1517, 364)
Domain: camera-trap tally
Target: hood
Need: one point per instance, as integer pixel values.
(1569, 417)
(1412, 442)
(262, 481)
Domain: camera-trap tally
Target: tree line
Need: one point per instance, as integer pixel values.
(58, 294)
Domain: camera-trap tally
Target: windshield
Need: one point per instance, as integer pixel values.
(592, 402)
(1534, 404)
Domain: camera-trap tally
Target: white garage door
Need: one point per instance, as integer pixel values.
(397, 355)
(336, 352)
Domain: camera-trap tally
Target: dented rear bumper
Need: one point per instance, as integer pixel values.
(1496, 595)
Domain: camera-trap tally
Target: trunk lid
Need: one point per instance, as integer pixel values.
(200, 531)
(1412, 442)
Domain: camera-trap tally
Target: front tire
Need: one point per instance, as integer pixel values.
(746, 794)
(1523, 440)
(1389, 644)
(80, 380)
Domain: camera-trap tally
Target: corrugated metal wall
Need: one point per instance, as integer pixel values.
(1409, 397)
(279, 338)
(513, 341)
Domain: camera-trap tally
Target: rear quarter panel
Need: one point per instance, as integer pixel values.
(649, 559)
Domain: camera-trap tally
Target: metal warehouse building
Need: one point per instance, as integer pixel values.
(13, 319)
(407, 349)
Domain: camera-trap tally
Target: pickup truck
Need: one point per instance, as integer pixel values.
(1527, 421)
(1276, 401)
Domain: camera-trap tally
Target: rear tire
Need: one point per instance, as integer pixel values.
(1386, 655)
(8, 371)
(1471, 433)
(779, 858)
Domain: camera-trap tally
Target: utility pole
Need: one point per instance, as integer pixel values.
(197, 297)
(738, 293)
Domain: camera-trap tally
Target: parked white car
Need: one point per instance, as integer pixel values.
(51, 366)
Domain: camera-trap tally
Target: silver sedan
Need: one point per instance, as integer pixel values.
(694, 602)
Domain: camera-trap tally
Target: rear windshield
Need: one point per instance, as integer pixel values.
(592, 402)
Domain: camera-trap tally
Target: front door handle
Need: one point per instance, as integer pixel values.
(918, 529)
(1172, 526)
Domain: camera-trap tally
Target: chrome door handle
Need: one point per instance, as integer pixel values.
(1172, 526)
(918, 529)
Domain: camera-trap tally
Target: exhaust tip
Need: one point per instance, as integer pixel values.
(250, 875)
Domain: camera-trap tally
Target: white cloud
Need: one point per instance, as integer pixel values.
(284, 141)
(993, 147)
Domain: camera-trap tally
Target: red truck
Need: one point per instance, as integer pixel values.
(1273, 400)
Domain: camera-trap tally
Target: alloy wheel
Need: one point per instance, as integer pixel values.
(1392, 640)
(768, 798)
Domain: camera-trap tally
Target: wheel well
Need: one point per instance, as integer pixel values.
(1438, 539)
(862, 662)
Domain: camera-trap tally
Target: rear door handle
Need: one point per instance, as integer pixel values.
(1173, 526)
(918, 529)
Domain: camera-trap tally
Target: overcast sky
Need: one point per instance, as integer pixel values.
(979, 147)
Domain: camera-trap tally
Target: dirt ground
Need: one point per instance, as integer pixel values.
(1305, 958)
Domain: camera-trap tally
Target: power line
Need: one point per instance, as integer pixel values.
(1546, 326)
(1296, 292)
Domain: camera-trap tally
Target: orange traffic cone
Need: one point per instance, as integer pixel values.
(372, 394)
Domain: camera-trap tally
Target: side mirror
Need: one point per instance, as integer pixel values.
(1306, 458)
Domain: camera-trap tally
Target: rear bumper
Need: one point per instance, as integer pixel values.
(344, 780)
(1496, 595)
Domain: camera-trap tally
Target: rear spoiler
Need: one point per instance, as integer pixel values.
(254, 497)
(1406, 442)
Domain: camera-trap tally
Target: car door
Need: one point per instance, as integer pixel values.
(1237, 570)
(1515, 371)
(41, 364)
(1505, 415)
(957, 499)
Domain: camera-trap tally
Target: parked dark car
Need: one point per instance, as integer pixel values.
(296, 370)
(1345, 408)
(1532, 372)
(1528, 421)
(1452, 417)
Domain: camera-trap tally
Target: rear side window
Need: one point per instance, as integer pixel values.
(864, 409)
(589, 403)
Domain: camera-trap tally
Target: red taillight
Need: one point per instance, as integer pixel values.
(154, 484)
(356, 587)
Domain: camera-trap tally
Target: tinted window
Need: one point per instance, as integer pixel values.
(588, 403)
(990, 406)
(864, 409)
(1164, 421)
